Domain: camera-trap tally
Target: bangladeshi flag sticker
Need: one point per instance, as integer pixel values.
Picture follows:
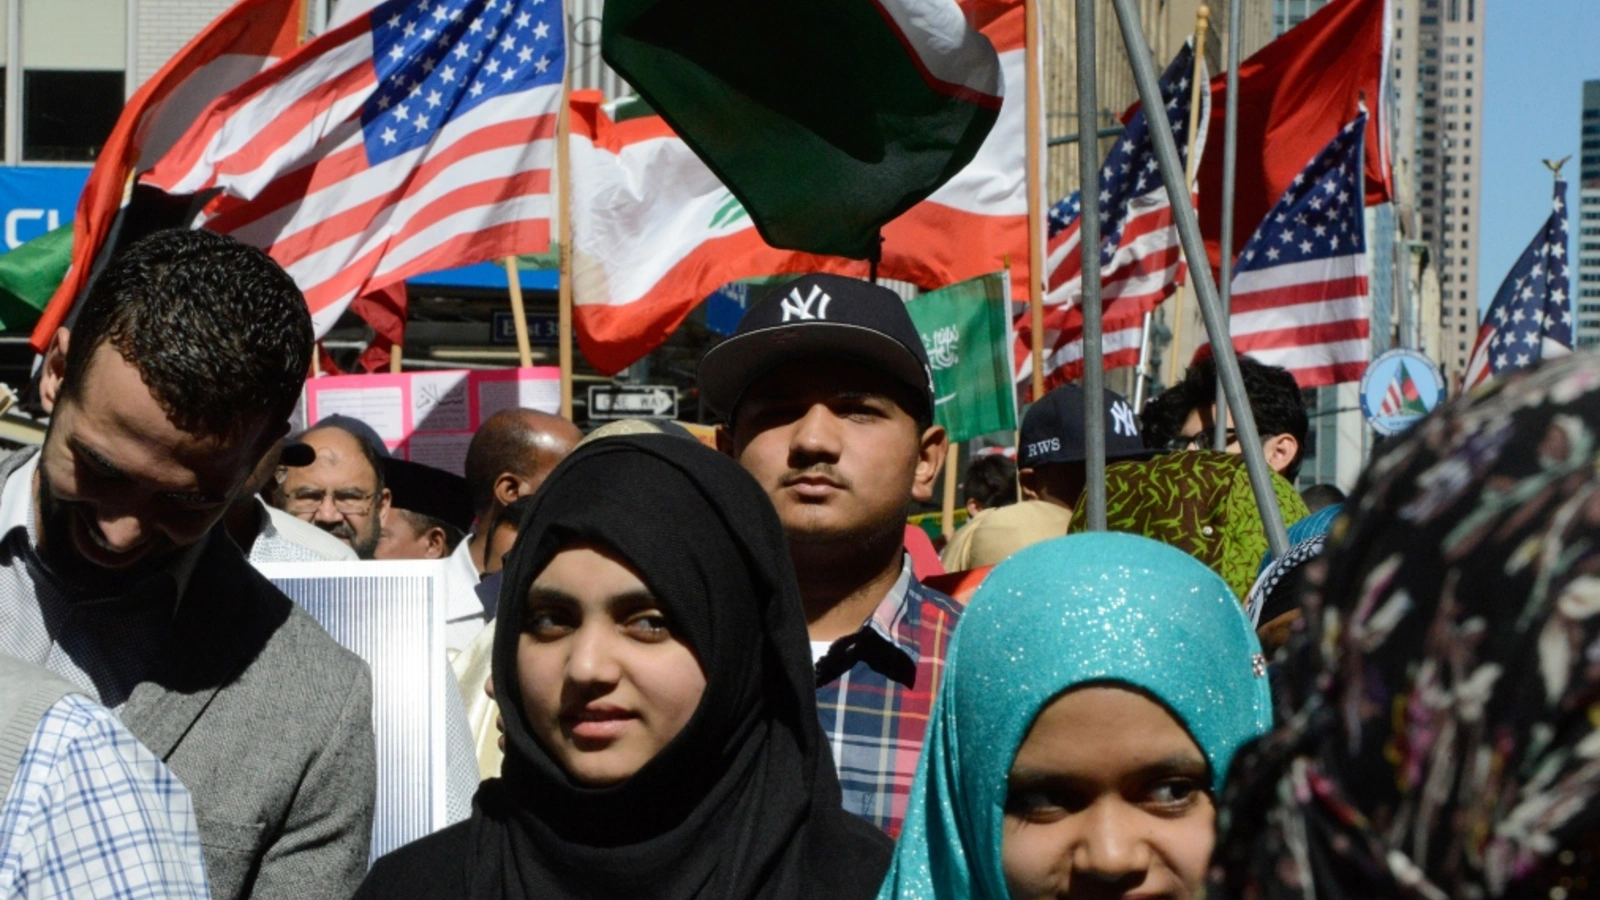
(826, 119)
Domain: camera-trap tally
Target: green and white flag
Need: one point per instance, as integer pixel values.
(825, 118)
(966, 329)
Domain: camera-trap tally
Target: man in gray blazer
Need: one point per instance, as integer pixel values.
(178, 376)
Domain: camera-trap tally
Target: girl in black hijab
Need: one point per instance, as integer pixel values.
(647, 566)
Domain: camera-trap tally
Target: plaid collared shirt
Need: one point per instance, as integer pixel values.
(875, 691)
(92, 813)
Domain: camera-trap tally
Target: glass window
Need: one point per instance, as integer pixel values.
(74, 53)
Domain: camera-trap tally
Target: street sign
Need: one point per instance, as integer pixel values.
(1398, 389)
(544, 329)
(633, 401)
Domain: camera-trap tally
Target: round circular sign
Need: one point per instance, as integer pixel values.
(1399, 388)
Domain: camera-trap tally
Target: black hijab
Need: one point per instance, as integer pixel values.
(745, 798)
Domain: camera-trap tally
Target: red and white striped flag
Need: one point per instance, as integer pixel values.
(1300, 289)
(245, 40)
(1140, 262)
(416, 137)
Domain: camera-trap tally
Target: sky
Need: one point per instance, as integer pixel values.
(1538, 53)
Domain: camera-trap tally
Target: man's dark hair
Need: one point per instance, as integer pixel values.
(1321, 496)
(217, 330)
(992, 481)
(421, 522)
(503, 444)
(1274, 399)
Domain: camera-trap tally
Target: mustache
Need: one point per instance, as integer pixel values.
(818, 470)
(340, 529)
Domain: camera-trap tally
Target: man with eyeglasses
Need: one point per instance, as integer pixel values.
(1184, 416)
(342, 491)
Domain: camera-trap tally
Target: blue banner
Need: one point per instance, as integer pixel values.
(37, 199)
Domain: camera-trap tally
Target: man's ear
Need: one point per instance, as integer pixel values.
(385, 501)
(1028, 480)
(507, 488)
(54, 370)
(438, 545)
(972, 507)
(1280, 451)
(930, 458)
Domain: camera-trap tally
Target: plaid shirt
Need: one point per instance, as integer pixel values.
(92, 813)
(875, 691)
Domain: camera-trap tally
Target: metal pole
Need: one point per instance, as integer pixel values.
(1033, 110)
(1094, 372)
(1144, 75)
(1142, 374)
(1230, 166)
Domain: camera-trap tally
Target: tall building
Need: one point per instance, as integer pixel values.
(1588, 220)
(1449, 126)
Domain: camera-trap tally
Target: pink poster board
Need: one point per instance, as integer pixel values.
(430, 417)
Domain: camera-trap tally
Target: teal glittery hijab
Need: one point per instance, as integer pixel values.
(1089, 608)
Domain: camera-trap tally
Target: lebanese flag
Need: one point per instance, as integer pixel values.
(1294, 97)
(979, 219)
(244, 41)
(654, 232)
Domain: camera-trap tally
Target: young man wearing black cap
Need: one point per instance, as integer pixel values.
(1052, 470)
(829, 404)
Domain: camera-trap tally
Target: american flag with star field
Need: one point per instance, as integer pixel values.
(1300, 289)
(417, 137)
(1530, 319)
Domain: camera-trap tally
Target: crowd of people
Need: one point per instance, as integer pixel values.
(697, 672)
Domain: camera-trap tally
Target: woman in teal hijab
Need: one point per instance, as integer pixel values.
(1095, 693)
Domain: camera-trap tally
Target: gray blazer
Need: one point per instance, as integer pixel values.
(268, 722)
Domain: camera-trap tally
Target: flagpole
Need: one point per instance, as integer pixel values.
(1230, 166)
(564, 257)
(395, 353)
(519, 314)
(1035, 149)
(1202, 22)
(1142, 373)
(1094, 372)
(1188, 226)
(947, 522)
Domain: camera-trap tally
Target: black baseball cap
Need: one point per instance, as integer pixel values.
(1053, 429)
(817, 316)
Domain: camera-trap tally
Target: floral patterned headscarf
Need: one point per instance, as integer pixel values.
(1441, 707)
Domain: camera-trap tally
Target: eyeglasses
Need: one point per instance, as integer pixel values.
(307, 501)
(1201, 441)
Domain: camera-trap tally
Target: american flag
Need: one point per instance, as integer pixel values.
(1140, 261)
(1300, 288)
(417, 137)
(1529, 319)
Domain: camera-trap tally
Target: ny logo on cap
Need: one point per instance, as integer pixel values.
(1122, 419)
(797, 307)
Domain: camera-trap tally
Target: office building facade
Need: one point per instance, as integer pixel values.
(1585, 223)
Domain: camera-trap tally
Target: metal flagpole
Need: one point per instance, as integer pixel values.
(1172, 177)
(1141, 376)
(1202, 24)
(1094, 373)
(564, 257)
(947, 516)
(1035, 182)
(1230, 166)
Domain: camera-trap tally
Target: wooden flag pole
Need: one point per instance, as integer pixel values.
(519, 313)
(394, 359)
(564, 264)
(1202, 24)
(947, 523)
(1035, 182)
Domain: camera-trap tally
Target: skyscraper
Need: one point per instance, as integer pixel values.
(1448, 69)
(1587, 222)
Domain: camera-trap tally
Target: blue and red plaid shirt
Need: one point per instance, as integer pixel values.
(875, 691)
